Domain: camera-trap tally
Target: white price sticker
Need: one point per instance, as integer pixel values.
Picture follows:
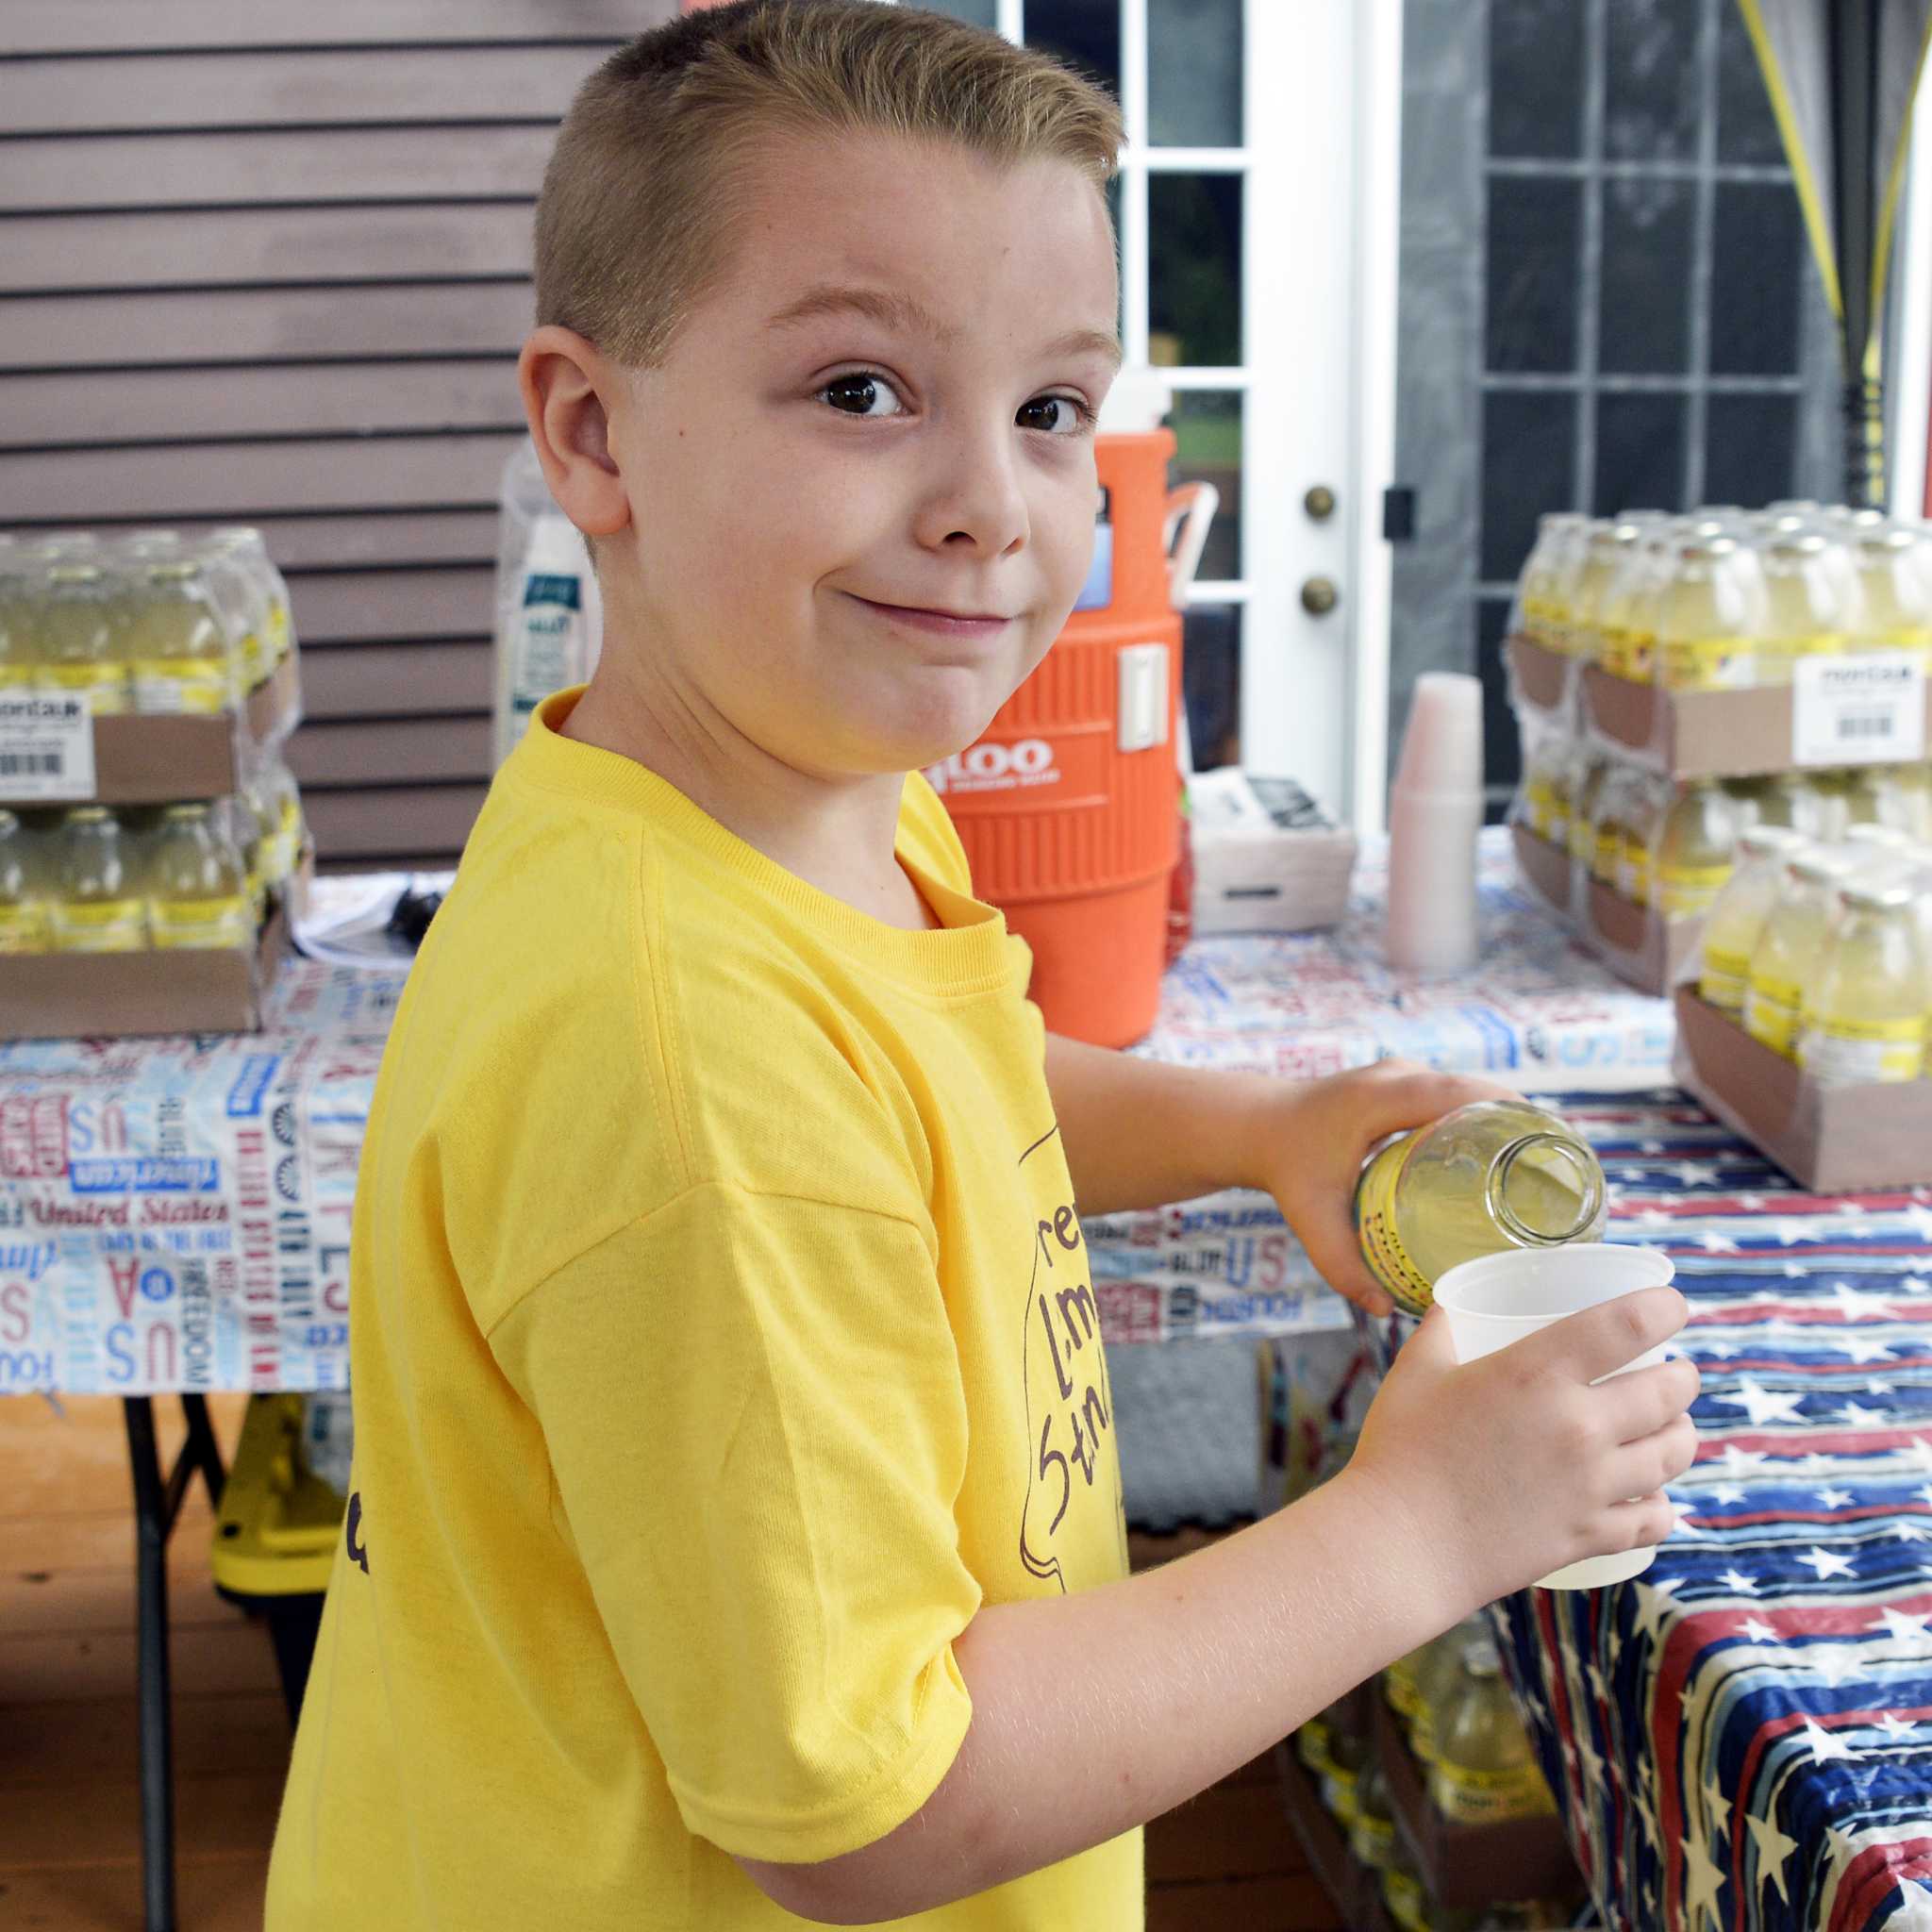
(1867, 709)
(46, 746)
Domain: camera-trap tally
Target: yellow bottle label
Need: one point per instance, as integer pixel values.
(23, 927)
(1312, 1745)
(171, 686)
(1685, 888)
(1399, 1688)
(1408, 1905)
(1339, 1794)
(103, 686)
(1373, 1840)
(200, 924)
(1705, 663)
(254, 660)
(1818, 645)
(99, 925)
(1382, 1245)
(1633, 872)
(1725, 979)
(1608, 855)
(1771, 1013)
(1848, 1052)
(1466, 1796)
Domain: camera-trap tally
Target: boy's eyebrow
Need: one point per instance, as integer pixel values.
(892, 309)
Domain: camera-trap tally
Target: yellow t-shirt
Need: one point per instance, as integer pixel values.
(722, 1337)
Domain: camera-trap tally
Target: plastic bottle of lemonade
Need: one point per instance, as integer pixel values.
(1495, 1174)
(1696, 849)
(1485, 1770)
(97, 905)
(1738, 914)
(1788, 946)
(1866, 1011)
(197, 887)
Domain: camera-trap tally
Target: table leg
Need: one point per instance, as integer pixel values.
(155, 1505)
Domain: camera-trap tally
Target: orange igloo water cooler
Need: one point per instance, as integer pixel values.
(1068, 805)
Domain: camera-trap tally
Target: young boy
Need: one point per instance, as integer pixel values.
(736, 1530)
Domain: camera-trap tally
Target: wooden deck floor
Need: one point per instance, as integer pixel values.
(70, 1808)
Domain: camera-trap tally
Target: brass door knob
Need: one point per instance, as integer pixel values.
(1320, 503)
(1320, 596)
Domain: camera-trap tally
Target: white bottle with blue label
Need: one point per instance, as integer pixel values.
(551, 634)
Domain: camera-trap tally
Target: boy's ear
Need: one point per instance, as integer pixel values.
(564, 381)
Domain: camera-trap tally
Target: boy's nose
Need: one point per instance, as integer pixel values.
(975, 494)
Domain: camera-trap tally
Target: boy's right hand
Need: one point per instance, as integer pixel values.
(1513, 1465)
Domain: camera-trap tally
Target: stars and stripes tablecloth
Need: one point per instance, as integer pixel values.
(1742, 1736)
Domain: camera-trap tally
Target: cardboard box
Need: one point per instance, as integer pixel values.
(1827, 1138)
(1542, 679)
(109, 995)
(1265, 858)
(1635, 942)
(149, 760)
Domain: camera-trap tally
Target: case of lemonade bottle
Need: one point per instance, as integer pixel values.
(1865, 1009)
(197, 890)
(96, 904)
(1488, 1176)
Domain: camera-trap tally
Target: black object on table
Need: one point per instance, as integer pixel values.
(157, 1505)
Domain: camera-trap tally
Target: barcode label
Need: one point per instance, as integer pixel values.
(46, 747)
(1859, 708)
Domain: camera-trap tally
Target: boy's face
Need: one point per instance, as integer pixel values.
(788, 477)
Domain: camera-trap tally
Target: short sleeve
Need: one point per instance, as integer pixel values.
(756, 1424)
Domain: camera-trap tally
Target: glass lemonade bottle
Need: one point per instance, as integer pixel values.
(22, 911)
(1696, 849)
(96, 904)
(1865, 1012)
(1709, 610)
(1738, 914)
(197, 887)
(1787, 947)
(1485, 1770)
(183, 663)
(1495, 1174)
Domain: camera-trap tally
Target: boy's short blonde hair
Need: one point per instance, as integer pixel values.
(635, 221)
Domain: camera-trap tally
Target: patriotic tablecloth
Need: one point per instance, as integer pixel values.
(1742, 1736)
(174, 1212)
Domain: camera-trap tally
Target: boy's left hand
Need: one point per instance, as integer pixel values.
(1314, 1136)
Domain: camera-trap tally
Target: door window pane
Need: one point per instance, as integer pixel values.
(1194, 73)
(1501, 753)
(1532, 273)
(1652, 81)
(1085, 33)
(1643, 315)
(1750, 449)
(1536, 77)
(1208, 434)
(1746, 128)
(1639, 453)
(1195, 269)
(1530, 456)
(974, 13)
(1211, 683)
(1758, 268)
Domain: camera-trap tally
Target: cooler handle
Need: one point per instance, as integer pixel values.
(1192, 505)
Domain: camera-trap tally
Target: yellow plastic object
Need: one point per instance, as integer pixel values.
(278, 1525)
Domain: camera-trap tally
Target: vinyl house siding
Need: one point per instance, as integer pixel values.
(269, 263)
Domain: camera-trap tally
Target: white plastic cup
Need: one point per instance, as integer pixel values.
(1498, 1299)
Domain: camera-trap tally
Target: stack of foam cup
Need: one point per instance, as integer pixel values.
(1435, 812)
(1498, 1299)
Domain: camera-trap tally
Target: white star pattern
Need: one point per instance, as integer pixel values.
(1598, 1688)
(1765, 1405)
(1592, 1764)
(1903, 1626)
(1741, 1461)
(1739, 1581)
(1825, 1744)
(1757, 1630)
(1789, 1233)
(1827, 1563)
(1862, 1348)
(1834, 1499)
(1910, 1533)
(1854, 1304)
(1896, 1728)
(1855, 1417)
(1773, 1850)
(1695, 1173)
(1703, 1880)
(1832, 1664)
(1753, 1204)
(1683, 1527)
(1652, 1602)
(1719, 1351)
(1874, 1387)
(1714, 1244)
(1727, 1493)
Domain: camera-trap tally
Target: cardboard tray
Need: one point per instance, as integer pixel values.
(1543, 677)
(1651, 953)
(1469, 1865)
(109, 995)
(160, 760)
(1830, 1139)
